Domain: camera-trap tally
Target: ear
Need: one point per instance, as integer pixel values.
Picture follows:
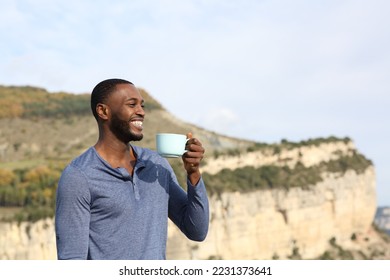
(103, 111)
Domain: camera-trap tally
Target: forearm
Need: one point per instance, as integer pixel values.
(70, 246)
(196, 221)
(72, 232)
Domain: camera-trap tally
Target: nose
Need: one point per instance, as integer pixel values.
(140, 110)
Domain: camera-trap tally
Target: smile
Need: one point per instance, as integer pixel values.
(137, 124)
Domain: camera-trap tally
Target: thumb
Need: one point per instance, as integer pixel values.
(189, 135)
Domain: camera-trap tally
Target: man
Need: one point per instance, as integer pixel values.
(114, 200)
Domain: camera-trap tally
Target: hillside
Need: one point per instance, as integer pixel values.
(325, 179)
(38, 125)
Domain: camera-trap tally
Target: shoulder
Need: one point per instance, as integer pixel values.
(75, 173)
(85, 160)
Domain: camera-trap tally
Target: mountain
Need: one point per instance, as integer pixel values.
(382, 219)
(310, 199)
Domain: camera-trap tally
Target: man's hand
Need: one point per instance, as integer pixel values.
(192, 158)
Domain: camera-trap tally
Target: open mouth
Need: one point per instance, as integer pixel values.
(138, 124)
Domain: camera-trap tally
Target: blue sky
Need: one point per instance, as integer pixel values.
(261, 70)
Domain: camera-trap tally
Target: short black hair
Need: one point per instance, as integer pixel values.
(102, 91)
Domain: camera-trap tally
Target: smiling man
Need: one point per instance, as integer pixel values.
(114, 200)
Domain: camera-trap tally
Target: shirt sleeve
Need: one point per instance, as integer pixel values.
(72, 215)
(189, 210)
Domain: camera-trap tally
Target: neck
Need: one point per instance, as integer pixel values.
(114, 151)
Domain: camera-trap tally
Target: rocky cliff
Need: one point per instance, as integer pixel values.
(298, 222)
(27, 241)
(274, 223)
(278, 223)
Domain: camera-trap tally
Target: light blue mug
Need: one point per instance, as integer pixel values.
(170, 144)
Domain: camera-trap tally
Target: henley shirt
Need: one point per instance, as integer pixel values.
(105, 213)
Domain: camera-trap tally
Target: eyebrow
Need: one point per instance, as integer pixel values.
(135, 99)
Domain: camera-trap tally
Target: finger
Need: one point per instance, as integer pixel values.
(189, 137)
(191, 142)
(195, 147)
(193, 162)
(192, 155)
(193, 150)
(194, 144)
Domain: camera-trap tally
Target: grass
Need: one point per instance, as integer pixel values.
(7, 213)
(22, 164)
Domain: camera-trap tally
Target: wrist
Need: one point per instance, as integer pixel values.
(194, 178)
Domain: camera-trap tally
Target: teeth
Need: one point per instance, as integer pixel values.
(138, 123)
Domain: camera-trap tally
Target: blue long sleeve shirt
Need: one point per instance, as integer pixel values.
(105, 213)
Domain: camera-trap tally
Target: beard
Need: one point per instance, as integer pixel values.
(122, 130)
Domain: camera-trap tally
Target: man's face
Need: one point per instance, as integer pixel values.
(127, 113)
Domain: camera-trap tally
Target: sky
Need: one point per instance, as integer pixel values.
(255, 69)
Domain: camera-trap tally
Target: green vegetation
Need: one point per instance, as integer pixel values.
(337, 252)
(276, 148)
(31, 102)
(271, 176)
(312, 142)
(355, 162)
(288, 145)
(33, 190)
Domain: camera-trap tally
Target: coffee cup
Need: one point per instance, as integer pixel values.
(171, 145)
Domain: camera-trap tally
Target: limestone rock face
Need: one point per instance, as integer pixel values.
(279, 223)
(276, 223)
(307, 155)
(28, 241)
